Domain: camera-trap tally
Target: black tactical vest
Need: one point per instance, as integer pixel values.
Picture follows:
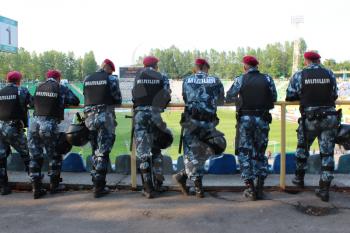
(46, 100)
(10, 107)
(149, 89)
(316, 88)
(96, 89)
(255, 93)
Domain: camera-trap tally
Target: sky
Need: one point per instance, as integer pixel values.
(125, 30)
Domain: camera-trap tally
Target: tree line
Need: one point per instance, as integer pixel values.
(275, 59)
(34, 66)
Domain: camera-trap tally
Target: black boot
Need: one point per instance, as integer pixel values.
(26, 167)
(5, 188)
(38, 190)
(55, 186)
(100, 188)
(298, 179)
(323, 191)
(158, 183)
(181, 179)
(259, 188)
(250, 191)
(148, 189)
(198, 187)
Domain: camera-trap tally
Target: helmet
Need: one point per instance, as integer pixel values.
(164, 138)
(343, 136)
(77, 134)
(216, 141)
(63, 146)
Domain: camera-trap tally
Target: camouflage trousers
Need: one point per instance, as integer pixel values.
(11, 135)
(102, 126)
(43, 135)
(147, 124)
(251, 142)
(325, 131)
(196, 152)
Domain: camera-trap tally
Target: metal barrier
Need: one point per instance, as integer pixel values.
(283, 105)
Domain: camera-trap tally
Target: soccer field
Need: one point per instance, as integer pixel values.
(172, 118)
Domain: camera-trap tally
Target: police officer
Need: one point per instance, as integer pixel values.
(316, 88)
(14, 103)
(202, 93)
(102, 94)
(150, 95)
(254, 94)
(50, 99)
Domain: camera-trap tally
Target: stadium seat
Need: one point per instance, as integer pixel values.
(290, 163)
(314, 164)
(180, 163)
(344, 164)
(73, 162)
(224, 164)
(15, 163)
(122, 164)
(89, 165)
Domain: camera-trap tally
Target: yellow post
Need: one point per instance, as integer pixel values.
(283, 147)
(133, 162)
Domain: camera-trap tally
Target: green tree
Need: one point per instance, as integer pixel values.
(89, 64)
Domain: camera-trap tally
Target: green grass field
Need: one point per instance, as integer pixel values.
(172, 118)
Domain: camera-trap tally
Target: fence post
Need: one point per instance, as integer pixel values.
(283, 147)
(133, 162)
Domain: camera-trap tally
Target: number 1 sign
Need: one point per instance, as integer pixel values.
(8, 35)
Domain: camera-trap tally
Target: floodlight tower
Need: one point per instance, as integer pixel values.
(296, 21)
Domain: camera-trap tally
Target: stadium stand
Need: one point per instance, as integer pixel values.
(344, 164)
(224, 164)
(290, 163)
(73, 162)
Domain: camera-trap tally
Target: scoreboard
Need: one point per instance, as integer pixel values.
(8, 35)
(126, 81)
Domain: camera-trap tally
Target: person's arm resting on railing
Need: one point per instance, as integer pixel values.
(115, 90)
(294, 88)
(70, 99)
(232, 93)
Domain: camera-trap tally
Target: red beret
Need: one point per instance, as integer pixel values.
(250, 60)
(14, 76)
(53, 74)
(150, 61)
(311, 55)
(201, 61)
(110, 63)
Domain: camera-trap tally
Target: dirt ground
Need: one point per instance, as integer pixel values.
(126, 211)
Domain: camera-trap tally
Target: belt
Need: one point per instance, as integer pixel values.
(252, 112)
(318, 114)
(203, 117)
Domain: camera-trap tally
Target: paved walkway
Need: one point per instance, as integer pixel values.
(129, 212)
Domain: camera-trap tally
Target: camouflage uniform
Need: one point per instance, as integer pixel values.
(325, 128)
(12, 134)
(43, 135)
(203, 93)
(101, 121)
(251, 133)
(149, 126)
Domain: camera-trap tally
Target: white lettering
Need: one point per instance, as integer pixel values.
(47, 94)
(148, 81)
(317, 81)
(208, 80)
(8, 97)
(96, 83)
